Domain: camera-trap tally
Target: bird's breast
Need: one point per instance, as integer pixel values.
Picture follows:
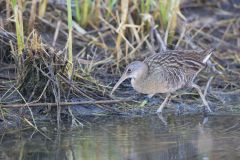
(150, 86)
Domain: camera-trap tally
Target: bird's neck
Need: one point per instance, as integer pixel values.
(139, 81)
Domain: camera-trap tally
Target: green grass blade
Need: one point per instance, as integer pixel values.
(77, 7)
(69, 43)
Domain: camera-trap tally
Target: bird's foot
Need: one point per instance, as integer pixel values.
(160, 116)
(164, 103)
(209, 109)
(206, 110)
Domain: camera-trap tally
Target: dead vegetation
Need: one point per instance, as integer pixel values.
(106, 36)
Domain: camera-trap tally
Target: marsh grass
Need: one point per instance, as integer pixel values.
(83, 11)
(77, 11)
(169, 11)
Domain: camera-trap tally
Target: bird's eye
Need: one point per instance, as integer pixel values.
(129, 70)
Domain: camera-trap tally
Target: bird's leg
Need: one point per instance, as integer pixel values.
(213, 67)
(146, 100)
(202, 96)
(164, 103)
(208, 85)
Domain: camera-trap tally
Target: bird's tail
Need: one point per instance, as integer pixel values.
(209, 52)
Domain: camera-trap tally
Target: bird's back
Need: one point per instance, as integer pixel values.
(176, 68)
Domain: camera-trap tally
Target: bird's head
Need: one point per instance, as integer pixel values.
(134, 70)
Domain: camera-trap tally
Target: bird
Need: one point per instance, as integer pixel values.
(167, 72)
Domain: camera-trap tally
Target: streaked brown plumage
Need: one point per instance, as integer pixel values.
(166, 72)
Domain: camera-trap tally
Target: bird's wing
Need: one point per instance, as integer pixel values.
(175, 66)
(187, 60)
(200, 56)
(166, 67)
(174, 59)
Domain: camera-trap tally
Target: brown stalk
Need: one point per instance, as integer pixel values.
(32, 16)
(62, 103)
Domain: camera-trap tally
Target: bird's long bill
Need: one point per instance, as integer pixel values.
(124, 76)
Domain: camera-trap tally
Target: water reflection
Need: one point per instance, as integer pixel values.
(137, 138)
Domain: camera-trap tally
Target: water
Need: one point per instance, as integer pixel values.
(136, 138)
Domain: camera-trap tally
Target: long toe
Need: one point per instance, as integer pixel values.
(160, 116)
(164, 103)
(209, 109)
